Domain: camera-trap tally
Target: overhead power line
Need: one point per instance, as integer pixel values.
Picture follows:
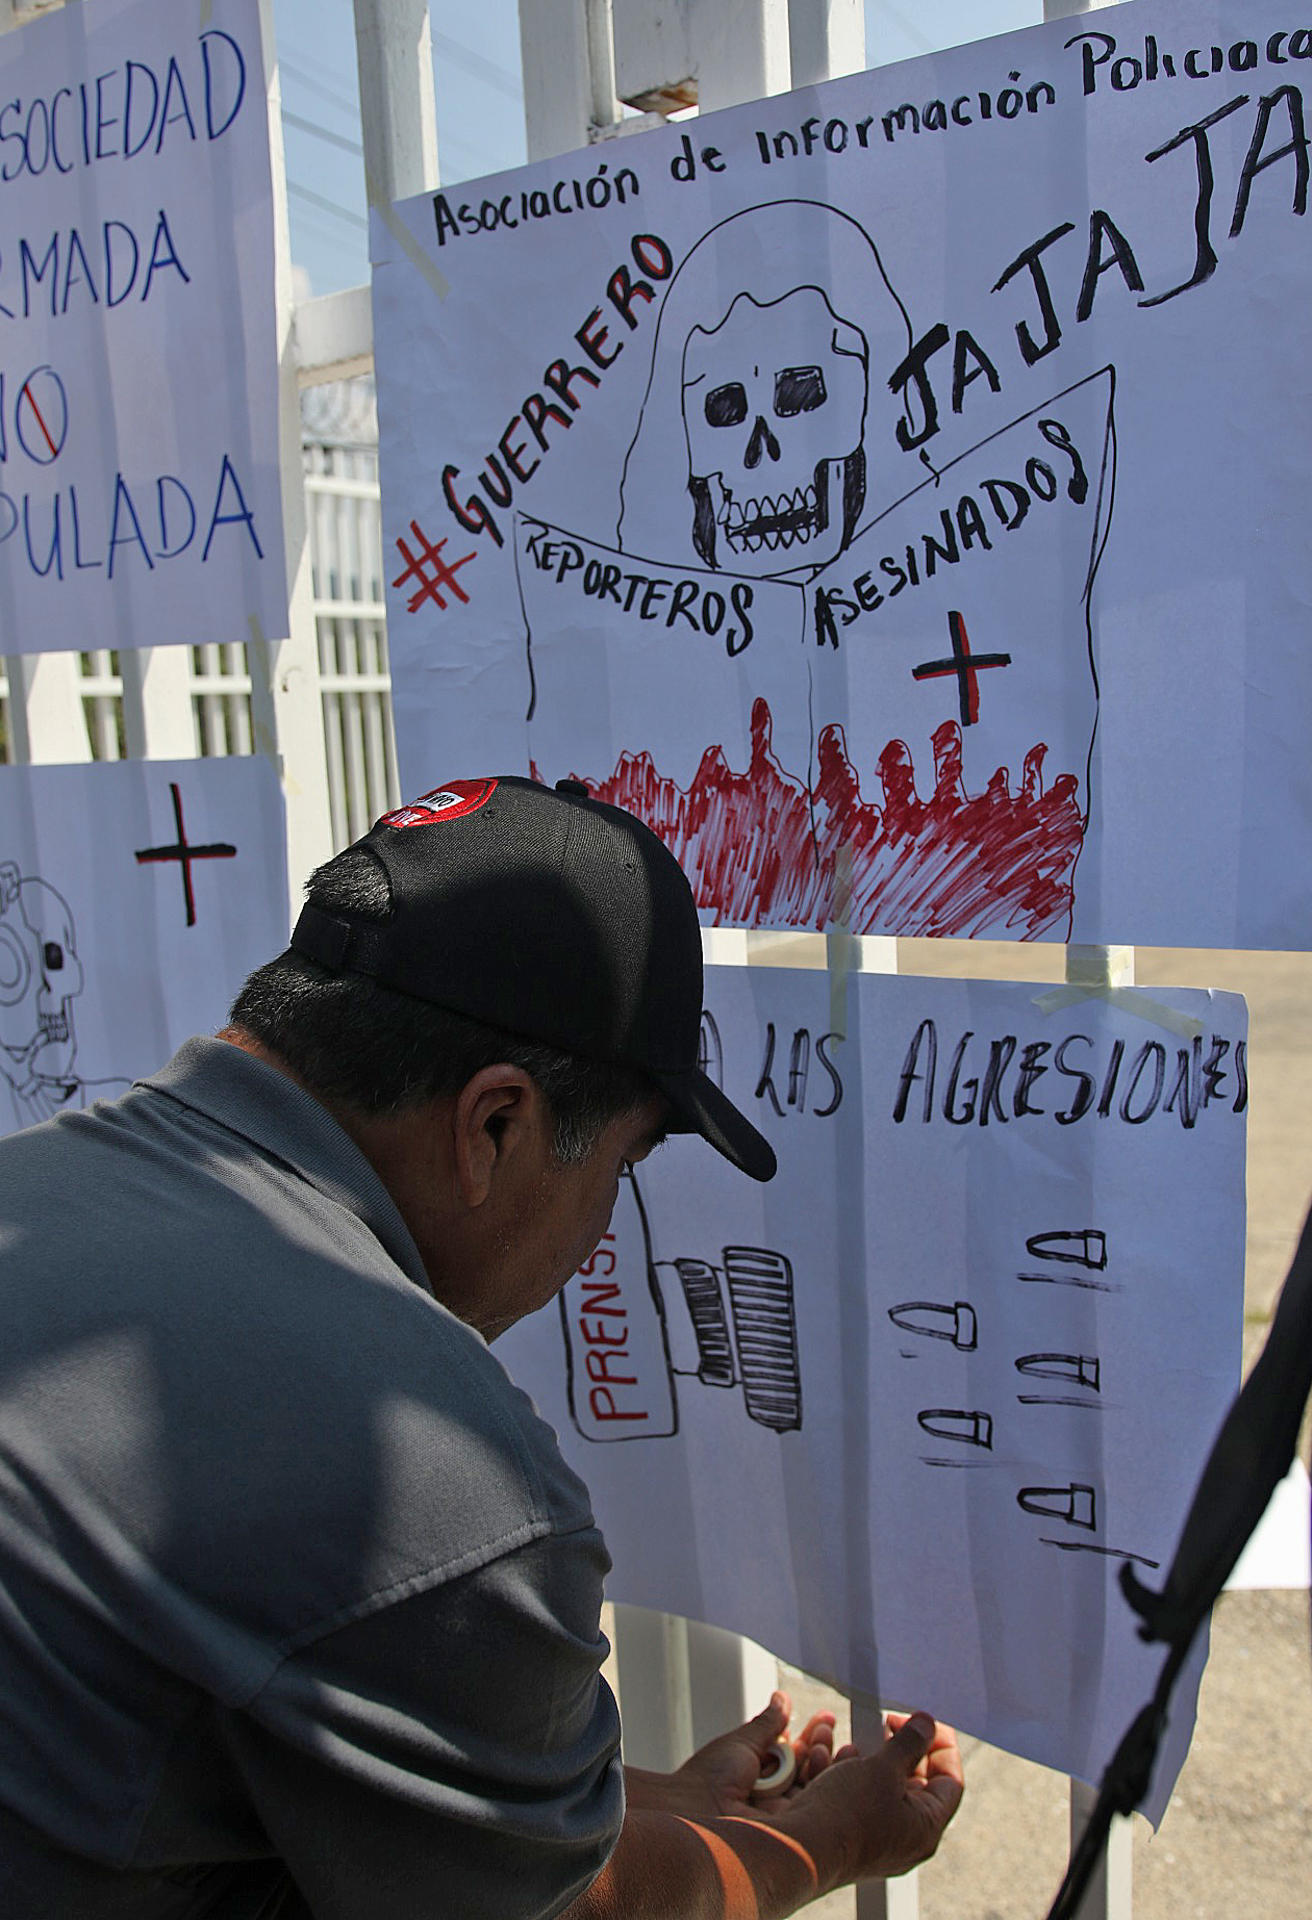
(912, 32)
(321, 133)
(299, 192)
(498, 77)
(304, 79)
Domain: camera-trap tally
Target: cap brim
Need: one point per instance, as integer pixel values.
(703, 1109)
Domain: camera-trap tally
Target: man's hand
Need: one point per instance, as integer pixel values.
(719, 1777)
(849, 1816)
(874, 1816)
(697, 1846)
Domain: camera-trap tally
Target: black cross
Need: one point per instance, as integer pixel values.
(965, 665)
(184, 854)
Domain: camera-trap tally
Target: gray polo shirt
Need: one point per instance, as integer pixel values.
(298, 1600)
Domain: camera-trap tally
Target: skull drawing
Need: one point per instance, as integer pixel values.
(774, 409)
(40, 977)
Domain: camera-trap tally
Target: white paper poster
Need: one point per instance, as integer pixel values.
(135, 897)
(139, 489)
(902, 1414)
(894, 490)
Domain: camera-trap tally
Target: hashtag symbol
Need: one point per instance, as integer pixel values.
(434, 574)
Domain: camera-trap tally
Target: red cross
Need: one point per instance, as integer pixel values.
(966, 665)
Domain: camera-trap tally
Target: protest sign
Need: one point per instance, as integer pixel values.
(893, 490)
(139, 486)
(135, 896)
(902, 1414)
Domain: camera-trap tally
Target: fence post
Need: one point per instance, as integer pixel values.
(558, 85)
(398, 115)
(47, 722)
(826, 38)
(286, 703)
(157, 717)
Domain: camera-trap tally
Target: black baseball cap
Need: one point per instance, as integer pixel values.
(552, 916)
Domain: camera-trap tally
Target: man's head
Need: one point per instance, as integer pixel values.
(529, 962)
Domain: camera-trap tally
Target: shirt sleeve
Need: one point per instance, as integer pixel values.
(453, 1752)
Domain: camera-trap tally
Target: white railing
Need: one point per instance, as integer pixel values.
(341, 485)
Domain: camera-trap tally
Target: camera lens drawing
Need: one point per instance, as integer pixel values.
(635, 1326)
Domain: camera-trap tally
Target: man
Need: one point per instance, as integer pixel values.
(299, 1603)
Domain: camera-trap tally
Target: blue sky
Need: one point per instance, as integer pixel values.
(479, 112)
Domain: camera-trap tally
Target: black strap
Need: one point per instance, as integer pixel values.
(334, 943)
(1251, 1455)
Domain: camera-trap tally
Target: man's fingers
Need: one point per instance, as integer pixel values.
(937, 1778)
(945, 1755)
(816, 1734)
(912, 1741)
(769, 1723)
(946, 1789)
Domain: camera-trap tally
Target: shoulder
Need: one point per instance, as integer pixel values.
(290, 1428)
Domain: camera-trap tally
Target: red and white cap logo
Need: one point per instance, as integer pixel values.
(451, 802)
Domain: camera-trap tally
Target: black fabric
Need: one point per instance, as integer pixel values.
(40, 1881)
(1251, 1455)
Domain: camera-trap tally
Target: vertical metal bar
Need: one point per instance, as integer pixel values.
(599, 32)
(651, 1656)
(1100, 967)
(357, 788)
(826, 38)
(332, 730)
(1062, 9)
(881, 1899)
(158, 723)
(375, 750)
(239, 702)
(47, 721)
(730, 1679)
(398, 117)
(286, 709)
(741, 48)
(1110, 1893)
(214, 733)
(95, 668)
(558, 86)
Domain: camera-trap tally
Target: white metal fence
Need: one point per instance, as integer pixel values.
(341, 483)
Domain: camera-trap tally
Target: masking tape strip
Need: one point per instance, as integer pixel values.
(260, 662)
(409, 245)
(1129, 1000)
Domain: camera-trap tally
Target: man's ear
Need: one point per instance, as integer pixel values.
(499, 1114)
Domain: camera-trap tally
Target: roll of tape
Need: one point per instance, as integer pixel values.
(778, 1773)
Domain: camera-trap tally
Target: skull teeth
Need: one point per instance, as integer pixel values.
(772, 521)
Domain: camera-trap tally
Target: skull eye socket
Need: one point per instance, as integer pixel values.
(798, 390)
(726, 406)
(54, 956)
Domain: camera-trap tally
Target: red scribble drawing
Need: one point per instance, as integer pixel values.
(435, 575)
(760, 849)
